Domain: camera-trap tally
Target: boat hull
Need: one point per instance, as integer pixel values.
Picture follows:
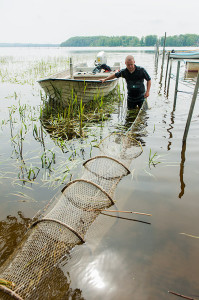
(65, 90)
(185, 55)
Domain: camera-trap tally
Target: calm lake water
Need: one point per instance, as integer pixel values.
(123, 259)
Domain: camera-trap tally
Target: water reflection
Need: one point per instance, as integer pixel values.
(169, 130)
(102, 273)
(130, 117)
(139, 127)
(56, 285)
(182, 184)
(95, 276)
(12, 230)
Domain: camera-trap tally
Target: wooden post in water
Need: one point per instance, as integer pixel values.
(171, 61)
(71, 68)
(156, 57)
(168, 58)
(191, 110)
(163, 54)
(176, 87)
(156, 53)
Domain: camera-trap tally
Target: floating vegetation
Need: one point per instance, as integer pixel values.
(23, 197)
(69, 122)
(153, 159)
(189, 235)
(12, 229)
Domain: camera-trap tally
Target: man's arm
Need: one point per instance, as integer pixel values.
(148, 85)
(112, 76)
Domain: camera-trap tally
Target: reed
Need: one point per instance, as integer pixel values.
(50, 125)
(81, 111)
(152, 159)
(68, 122)
(29, 72)
(47, 159)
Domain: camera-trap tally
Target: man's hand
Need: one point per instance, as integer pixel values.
(148, 89)
(146, 95)
(110, 77)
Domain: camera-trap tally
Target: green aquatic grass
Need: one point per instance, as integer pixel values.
(44, 163)
(20, 71)
(59, 137)
(153, 159)
(69, 122)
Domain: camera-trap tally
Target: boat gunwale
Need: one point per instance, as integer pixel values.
(184, 55)
(75, 80)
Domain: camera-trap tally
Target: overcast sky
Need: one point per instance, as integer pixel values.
(54, 21)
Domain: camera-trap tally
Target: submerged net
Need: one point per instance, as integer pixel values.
(64, 224)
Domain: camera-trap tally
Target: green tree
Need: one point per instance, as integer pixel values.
(182, 40)
(151, 40)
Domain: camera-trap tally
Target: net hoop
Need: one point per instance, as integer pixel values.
(89, 182)
(10, 292)
(104, 156)
(60, 223)
(121, 134)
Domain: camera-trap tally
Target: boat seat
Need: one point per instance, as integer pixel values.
(91, 76)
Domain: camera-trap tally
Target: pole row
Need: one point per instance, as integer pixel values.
(167, 84)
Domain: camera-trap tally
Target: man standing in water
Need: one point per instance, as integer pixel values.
(135, 77)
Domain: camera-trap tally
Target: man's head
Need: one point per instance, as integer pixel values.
(130, 63)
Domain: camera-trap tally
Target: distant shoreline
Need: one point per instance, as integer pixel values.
(27, 45)
(16, 45)
(182, 40)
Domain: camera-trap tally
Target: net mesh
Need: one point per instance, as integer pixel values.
(65, 223)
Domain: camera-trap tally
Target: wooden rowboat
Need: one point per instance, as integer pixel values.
(81, 83)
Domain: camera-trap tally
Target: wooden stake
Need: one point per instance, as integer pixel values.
(122, 211)
(168, 58)
(125, 211)
(71, 68)
(182, 296)
(156, 53)
(169, 77)
(191, 110)
(122, 218)
(163, 54)
(176, 87)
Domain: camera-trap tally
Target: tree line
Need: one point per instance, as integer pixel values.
(182, 40)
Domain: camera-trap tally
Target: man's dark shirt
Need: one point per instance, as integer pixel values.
(135, 82)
